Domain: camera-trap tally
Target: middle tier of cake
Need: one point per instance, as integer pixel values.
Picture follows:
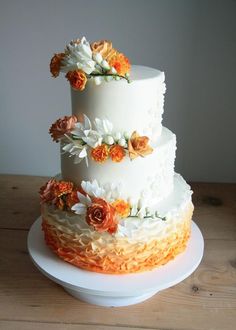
(149, 178)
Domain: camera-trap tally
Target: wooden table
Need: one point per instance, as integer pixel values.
(205, 300)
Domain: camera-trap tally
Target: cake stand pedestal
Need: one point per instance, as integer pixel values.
(113, 290)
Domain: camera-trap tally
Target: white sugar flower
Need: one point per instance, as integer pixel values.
(103, 126)
(93, 139)
(105, 65)
(82, 129)
(78, 56)
(92, 188)
(109, 139)
(122, 142)
(78, 151)
(117, 136)
(112, 191)
(113, 70)
(84, 132)
(97, 58)
(81, 207)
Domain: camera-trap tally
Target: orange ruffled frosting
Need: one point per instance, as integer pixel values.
(121, 257)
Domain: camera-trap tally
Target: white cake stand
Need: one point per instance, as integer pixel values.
(113, 290)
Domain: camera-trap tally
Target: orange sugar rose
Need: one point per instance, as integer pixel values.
(62, 126)
(104, 47)
(138, 146)
(77, 79)
(117, 153)
(122, 208)
(55, 64)
(101, 216)
(100, 153)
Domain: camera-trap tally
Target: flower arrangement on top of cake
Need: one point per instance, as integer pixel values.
(82, 61)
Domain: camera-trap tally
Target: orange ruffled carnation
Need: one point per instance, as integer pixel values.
(122, 208)
(121, 63)
(72, 199)
(117, 153)
(55, 64)
(54, 191)
(62, 126)
(138, 146)
(101, 216)
(100, 153)
(77, 79)
(63, 188)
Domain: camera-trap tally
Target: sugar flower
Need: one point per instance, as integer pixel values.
(82, 61)
(103, 47)
(122, 208)
(62, 126)
(77, 79)
(77, 150)
(92, 188)
(84, 203)
(78, 56)
(103, 126)
(55, 64)
(117, 153)
(120, 63)
(102, 216)
(100, 154)
(84, 131)
(47, 191)
(138, 146)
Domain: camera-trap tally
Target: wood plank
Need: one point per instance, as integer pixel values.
(206, 300)
(20, 205)
(215, 209)
(22, 325)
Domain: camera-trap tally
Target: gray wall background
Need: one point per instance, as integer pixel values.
(194, 42)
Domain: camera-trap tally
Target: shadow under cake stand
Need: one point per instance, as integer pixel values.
(113, 290)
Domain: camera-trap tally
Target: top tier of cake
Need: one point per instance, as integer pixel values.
(137, 106)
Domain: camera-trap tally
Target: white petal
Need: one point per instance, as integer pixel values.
(79, 208)
(92, 188)
(67, 147)
(87, 123)
(83, 153)
(86, 200)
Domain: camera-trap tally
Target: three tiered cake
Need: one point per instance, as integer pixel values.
(118, 206)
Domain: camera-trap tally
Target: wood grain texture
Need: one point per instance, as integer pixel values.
(205, 300)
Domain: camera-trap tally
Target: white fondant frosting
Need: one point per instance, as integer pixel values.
(149, 177)
(136, 106)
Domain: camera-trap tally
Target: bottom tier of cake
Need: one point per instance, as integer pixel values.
(138, 245)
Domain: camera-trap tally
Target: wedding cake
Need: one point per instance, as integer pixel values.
(117, 206)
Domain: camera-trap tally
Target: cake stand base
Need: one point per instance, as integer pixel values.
(110, 301)
(113, 290)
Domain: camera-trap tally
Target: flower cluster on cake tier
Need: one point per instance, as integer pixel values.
(117, 206)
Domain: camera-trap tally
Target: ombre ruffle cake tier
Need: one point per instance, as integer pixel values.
(118, 206)
(138, 245)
